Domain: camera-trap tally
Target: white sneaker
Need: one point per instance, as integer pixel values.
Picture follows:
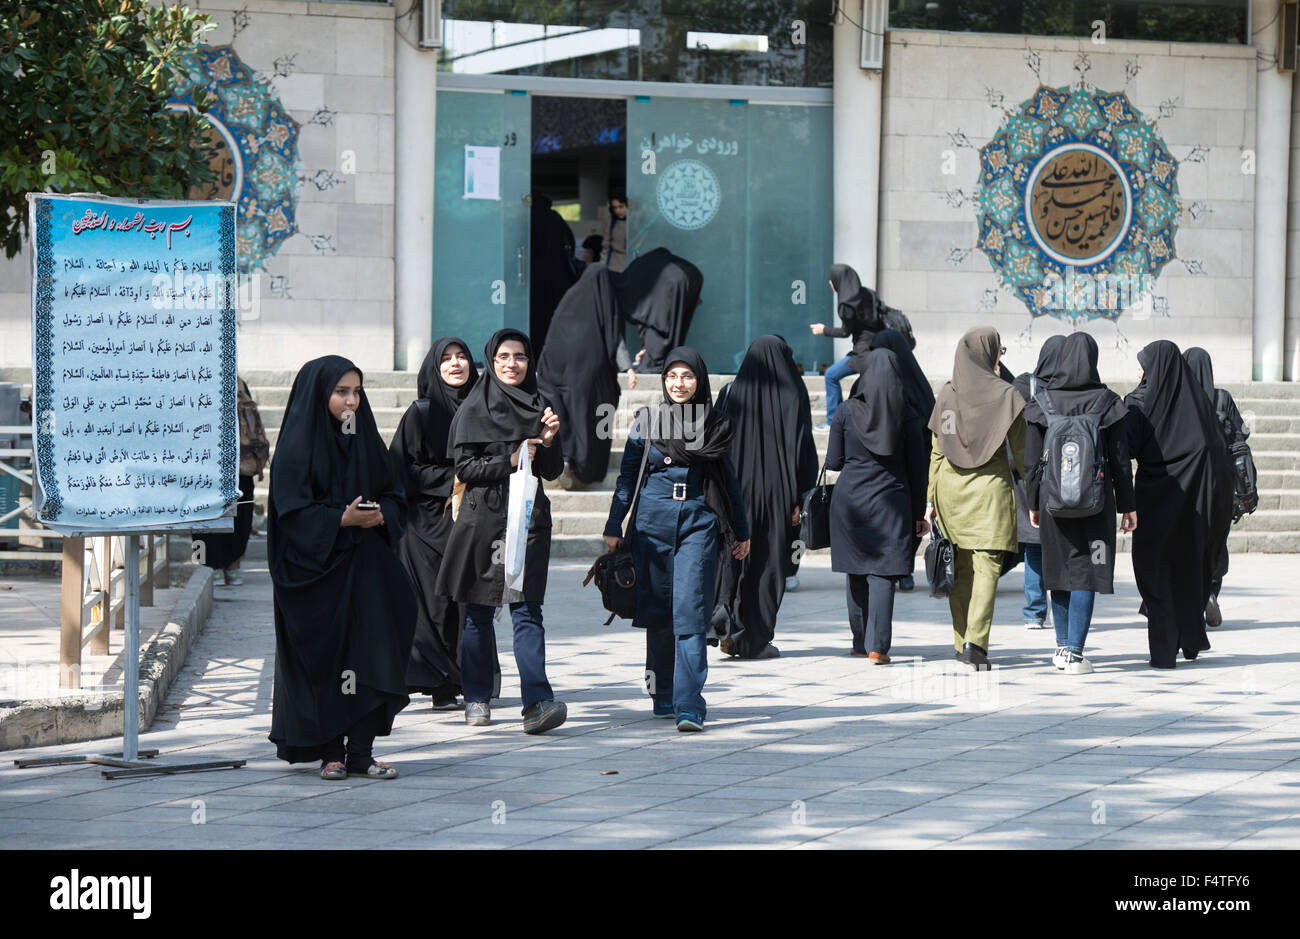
(1035, 624)
(1075, 664)
(1058, 657)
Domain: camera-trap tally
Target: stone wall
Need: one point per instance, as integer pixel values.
(329, 287)
(942, 94)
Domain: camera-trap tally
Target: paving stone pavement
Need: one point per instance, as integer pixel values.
(814, 749)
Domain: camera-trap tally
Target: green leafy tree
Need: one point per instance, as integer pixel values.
(83, 92)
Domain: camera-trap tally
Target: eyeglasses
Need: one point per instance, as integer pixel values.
(506, 358)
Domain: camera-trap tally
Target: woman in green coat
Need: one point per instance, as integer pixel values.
(970, 493)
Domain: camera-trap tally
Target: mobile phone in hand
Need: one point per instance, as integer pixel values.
(368, 505)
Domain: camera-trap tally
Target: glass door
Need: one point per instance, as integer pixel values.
(480, 230)
(743, 191)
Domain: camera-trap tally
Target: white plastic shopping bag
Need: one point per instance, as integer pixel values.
(523, 489)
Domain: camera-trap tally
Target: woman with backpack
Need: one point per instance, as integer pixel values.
(344, 613)
(222, 552)
(1183, 488)
(1235, 433)
(1078, 478)
(976, 415)
(502, 412)
(688, 509)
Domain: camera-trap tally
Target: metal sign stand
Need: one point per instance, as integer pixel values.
(132, 760)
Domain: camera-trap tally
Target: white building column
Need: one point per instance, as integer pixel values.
(856, 116)
(416, 72)
(1272, 165)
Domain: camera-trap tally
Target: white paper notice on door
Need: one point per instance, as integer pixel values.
(482, 172)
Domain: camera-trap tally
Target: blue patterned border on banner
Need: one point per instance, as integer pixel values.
(42, 334)
(229, 350)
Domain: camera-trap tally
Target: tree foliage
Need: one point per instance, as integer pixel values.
(83, 92)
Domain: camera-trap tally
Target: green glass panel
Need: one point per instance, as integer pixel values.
(790, 228)
(480, 246)
(743, 192)
(692, 201)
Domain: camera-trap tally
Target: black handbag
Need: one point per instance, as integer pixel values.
(815, 514)
(615, 571)
(940, 562)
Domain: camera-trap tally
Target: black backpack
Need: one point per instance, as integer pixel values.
(1073, 465)
(1245, 476)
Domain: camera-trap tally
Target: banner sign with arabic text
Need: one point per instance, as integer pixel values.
(133, 363)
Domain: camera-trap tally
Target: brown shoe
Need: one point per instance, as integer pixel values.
(858, 655)
(878, 658)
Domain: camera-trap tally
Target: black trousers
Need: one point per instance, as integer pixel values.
(356, 753)
(871, 611)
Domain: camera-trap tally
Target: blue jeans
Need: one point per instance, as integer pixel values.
(834, 395)
(684, 684)
(478, 647)
(1072, 614)
(1035, 609)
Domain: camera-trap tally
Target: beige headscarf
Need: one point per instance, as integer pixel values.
(974, 411)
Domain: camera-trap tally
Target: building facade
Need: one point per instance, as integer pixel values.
(1130, 176)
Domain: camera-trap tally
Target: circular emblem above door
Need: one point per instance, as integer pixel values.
(688, 194)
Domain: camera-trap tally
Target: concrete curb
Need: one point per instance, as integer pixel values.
(44, 722)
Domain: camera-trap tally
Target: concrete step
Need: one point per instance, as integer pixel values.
(1272, 520)
(1272, 500)
(1241, 542)
(1275, 460)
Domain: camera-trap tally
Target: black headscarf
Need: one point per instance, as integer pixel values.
(1069, 372)
(916, 387)
(1182, 423)
(658, 293)
(877, 406)
(1198, 360)
(444, 399)
(857, 305)
(314, 459)
(768, 406)
(494, 412)
(981, 404)
(694, 431)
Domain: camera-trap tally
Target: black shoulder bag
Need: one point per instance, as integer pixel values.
(615, 571)
(815, 514)
(940, 562)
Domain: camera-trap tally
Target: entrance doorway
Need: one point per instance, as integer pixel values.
(579, 160)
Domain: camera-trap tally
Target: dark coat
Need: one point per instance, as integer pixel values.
(877, 500)
(1079, 553)
(473, 568)
(674, 542)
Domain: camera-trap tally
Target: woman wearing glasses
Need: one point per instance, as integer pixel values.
(975, 415)
(500, 412)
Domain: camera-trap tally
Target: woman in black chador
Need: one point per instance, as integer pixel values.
(1183, 490)
(689, 509)
(344, 613)
(501, 412)
(775, 457)
(578, 373)
(878, 442)
(419, 452)
(1234, 432)
(658, 293)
